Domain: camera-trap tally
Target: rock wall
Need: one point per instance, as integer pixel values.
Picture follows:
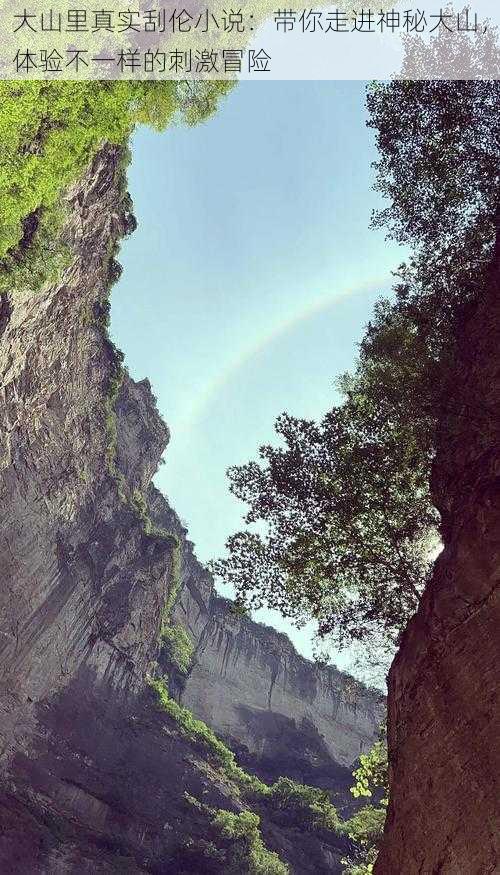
(93, 776)
(444, 710)
(283, 713)
(89, 779)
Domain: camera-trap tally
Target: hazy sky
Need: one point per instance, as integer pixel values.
(249, 280)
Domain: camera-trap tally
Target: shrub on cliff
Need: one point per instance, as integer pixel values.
(366, 826)
(247, 852)
(309, 807)
(199, 733)
(231, 843)
(177, 647)
(365, 829)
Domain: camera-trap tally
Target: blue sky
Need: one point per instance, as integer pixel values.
(248, 282)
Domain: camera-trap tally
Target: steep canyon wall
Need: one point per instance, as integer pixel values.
(93, 776)
(444, 710)
(283, 713)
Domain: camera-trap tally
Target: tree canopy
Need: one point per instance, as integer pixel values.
(439, 144)
(340, 523)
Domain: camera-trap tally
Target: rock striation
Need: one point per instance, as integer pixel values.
(281, 712)
(82, 788)
(93, 776)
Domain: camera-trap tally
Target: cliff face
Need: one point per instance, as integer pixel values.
(282, 713)
(69, 595)
(290, 715)
(90, 778)
(93, 776)
(444, 713)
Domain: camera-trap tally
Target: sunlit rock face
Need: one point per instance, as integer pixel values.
(283, 713)
(444, 709)
(250, 679)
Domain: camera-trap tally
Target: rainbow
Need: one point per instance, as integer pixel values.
(281, 328)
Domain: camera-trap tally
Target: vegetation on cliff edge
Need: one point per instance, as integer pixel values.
(201, 734)
(286, 803)
(49, 133)
(233, 844)
(177, 647)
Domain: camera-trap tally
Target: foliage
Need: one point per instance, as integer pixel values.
(372, 773)
(231, 843)
(198, 100)
(139, 504)
(248, 853)
(364, 868)
(116, 376)
(366, 826)
(199, 733)
(345, 505)
(312, 805)
(50, 130)
(239, 610)
(439, 161)
(177, 647)
(176, 579)
(48, 256)
(340, 524)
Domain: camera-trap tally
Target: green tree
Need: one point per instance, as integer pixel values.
(311, 807)
(340, 521)
(439, 167)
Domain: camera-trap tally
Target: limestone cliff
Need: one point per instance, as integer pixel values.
(89, 774)
(444, 713)
(93, 776)
(281, 712)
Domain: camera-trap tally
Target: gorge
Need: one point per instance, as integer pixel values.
(235, 754)
(94, 778)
